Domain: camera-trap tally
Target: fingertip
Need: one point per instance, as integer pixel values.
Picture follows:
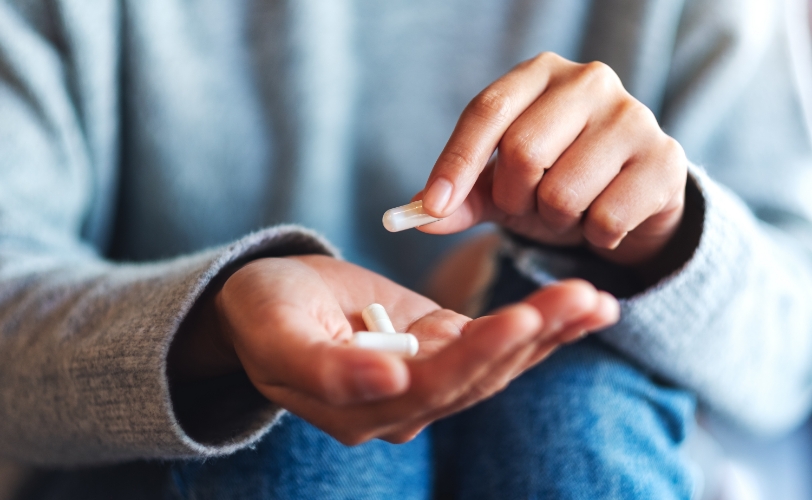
(609, 307)
(571, 294)
(584, 290)
(564, 303)
(605, 314)
(464, 217)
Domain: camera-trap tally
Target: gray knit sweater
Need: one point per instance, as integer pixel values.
(145, 144)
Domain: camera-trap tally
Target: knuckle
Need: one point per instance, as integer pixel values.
(522, 156)
(546, 58)
(675, 168)
(519, 168)
(634, 119)
(507, 202)
(607, 222)
(560, 199)
(492, 104)
(674, 154)
(633, 110)
(638, 114)
(599, 77)
(645, 114)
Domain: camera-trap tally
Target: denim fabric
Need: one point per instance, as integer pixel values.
(295, 461)
(585, 424)
(582, 425)
(298, 461)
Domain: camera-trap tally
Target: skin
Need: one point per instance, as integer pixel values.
(579, 161)
(286, 322)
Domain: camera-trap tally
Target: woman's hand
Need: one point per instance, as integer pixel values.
(286, 322)
(579, 160)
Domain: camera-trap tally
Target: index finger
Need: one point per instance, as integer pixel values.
(479, 130)
(439, 382)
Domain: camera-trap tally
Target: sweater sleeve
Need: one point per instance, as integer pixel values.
(83, 356)
(733, 322)
(84, 340)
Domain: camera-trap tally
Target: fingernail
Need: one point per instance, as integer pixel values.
(437, 196)
(372, 382)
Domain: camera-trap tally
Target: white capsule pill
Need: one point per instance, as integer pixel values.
(406, 217)
(376, 319)
(397, 343)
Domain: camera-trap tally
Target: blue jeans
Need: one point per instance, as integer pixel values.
(584, 424)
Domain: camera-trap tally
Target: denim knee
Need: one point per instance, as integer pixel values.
(296, 460)
(583, 424)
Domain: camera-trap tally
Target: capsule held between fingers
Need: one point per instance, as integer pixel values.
(406, 217)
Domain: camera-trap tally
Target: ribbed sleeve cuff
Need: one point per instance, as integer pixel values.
(113, 395)
(719, 325)
(668, 328)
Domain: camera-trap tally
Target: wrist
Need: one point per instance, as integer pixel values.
(682, 244)
(202, 348)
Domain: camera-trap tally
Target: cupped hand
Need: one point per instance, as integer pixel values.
(289, 320)
(579, 160)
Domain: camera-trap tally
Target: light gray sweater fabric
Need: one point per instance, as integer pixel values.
(141, 141)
